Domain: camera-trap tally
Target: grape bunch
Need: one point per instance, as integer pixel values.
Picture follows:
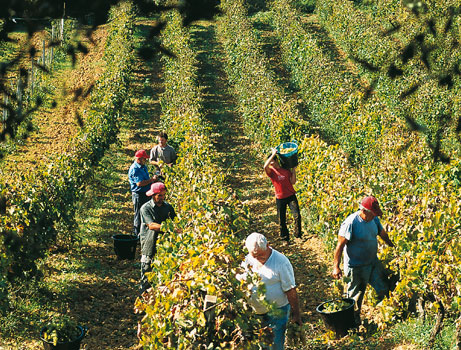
(287, 150)
(335, 305)
(61, 330)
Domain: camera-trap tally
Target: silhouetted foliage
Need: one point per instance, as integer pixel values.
(33, 16)
(366, 64)
(409, 92)
(92, 13)
(421, 47)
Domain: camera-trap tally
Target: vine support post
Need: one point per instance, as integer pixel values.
(438, 323)
(43, 53)
(458, 333)
(52, 47)
(209, 311)
(62, 22)
(62, 31)
(19, 94)
(5, 111)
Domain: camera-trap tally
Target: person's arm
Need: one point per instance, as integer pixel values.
(337, 257)
(292, 297)
(137, 175)
(293, 176)
(267, 168)
(154, 226)
(154, 162)
(149, 218)
(385, 237)
(146, 182)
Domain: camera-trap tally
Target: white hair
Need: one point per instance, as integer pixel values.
(256, 241)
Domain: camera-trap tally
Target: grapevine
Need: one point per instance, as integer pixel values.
(61, 330)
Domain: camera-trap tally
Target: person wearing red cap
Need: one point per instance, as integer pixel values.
(357, 239)
(140, 182)
(285, 195)
(153, 213)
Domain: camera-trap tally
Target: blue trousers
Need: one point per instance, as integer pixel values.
(278, 322)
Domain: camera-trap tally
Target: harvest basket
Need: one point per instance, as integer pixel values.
(70, 345)
(338, 321)
(125, 246)
(288, 159)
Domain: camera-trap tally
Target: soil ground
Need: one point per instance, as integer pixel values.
(87, 281)
(307, 255)
(55, 126)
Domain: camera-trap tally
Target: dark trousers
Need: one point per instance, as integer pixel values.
(139, 198)
(282, 204)
(145, 267)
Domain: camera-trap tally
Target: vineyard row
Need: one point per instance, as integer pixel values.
(47, 198)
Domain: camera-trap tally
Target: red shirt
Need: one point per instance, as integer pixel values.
(281, 180)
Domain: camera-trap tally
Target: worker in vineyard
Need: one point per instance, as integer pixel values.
(153, 213)
(285, 195)
(358, 235)
(140, 182)
(162, 153)
(277, 274)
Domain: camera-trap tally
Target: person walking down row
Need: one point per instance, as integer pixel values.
(162, 153)
(140, 181)
(283, 181)
(358, 235)
(277, 274)
(153, 213)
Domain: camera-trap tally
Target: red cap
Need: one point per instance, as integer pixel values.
(141, 154)
(371, 203)
(155, 188)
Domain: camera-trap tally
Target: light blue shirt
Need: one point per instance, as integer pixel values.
(362, 246)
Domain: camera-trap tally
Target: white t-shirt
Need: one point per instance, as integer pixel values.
(278, 277)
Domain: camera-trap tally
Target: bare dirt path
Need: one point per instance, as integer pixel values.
(307, 255)
(55, 126)
(312, 259)
(86, 280)
(112, 295)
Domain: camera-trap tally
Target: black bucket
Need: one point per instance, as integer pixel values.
(71, 345)
(340, 321)
(290, 159)
(125, 246)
